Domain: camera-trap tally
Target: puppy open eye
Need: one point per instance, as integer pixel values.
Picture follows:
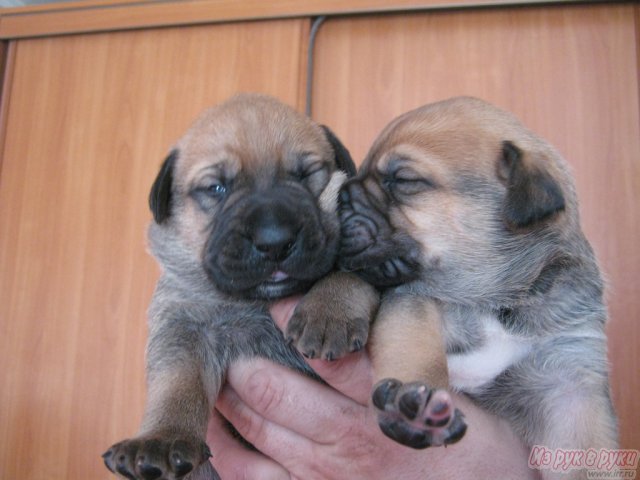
(214, 190)
(209, 193)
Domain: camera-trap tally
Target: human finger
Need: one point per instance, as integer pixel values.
(234, 461)
(286, 398)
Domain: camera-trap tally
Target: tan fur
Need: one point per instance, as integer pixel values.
(406, 343)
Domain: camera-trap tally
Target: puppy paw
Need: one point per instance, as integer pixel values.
(158, 457)
(333, 318)
(329, 334)
(417, 416)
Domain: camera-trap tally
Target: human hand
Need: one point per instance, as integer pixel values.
(307, 430)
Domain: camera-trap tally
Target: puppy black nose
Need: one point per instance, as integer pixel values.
(273, 228)
(274, 241)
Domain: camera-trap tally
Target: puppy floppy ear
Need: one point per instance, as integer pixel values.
(533, 195)
(342, 155)
(160, 195)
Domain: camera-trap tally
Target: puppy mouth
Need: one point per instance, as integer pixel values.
(279, 284)
(277, 277)
(375, 251)
(382, 272)
(275, 282)
(270, 244)
(371, 246)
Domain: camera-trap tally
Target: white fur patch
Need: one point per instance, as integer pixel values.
(329, 198)
(470, 371)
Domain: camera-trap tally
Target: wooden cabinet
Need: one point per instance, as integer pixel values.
(87, 118)
(88, 121)
(569, 72)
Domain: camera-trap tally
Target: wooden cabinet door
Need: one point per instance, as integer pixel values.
(570, 73)
(88, 120)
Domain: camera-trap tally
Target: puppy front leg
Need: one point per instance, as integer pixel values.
(333, 318)
(408, 353)
(407, 343)
(170, 444)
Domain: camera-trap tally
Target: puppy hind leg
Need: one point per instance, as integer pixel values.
(573, 432)
(170, 444)
(408, 354)
(579, 420)
(557, 400)
(181, 388)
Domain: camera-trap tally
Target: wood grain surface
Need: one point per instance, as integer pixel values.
(570, 73)
(89, 121)
(107, 15)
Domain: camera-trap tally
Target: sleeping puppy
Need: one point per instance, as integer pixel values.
(245, 211)
(469, 222)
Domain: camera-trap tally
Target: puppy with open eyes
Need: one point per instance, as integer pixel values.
(245, 211)
(469, 222)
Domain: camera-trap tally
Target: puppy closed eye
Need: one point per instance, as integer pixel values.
(406, 181)
(314, 175)
(306, 171)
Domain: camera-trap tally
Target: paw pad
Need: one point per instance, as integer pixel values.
(417, 416)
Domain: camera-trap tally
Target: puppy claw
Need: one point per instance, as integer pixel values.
(329, 356)
(356, 345)
(309, 354)
(384, 392)
(417, 416)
